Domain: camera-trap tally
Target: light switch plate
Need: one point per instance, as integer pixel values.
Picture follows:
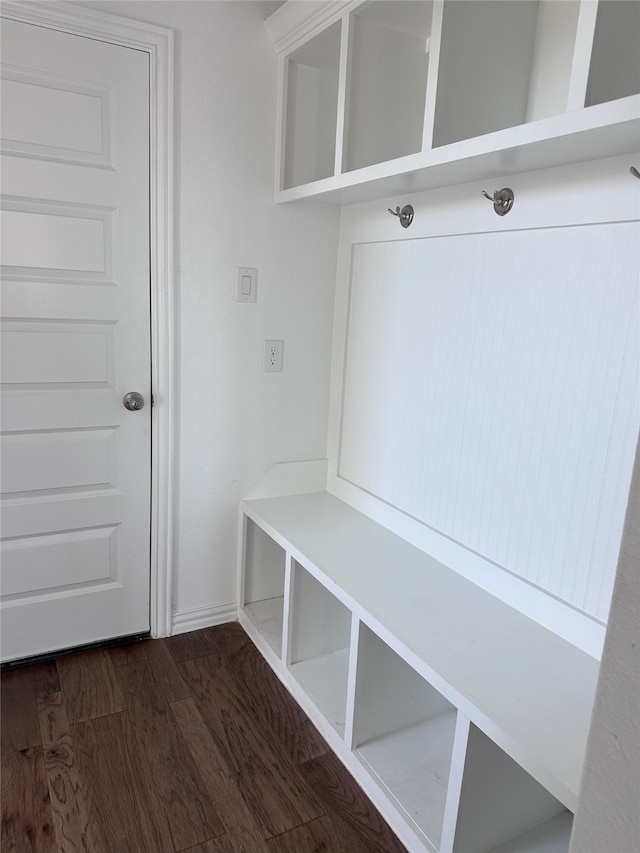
(246, 284)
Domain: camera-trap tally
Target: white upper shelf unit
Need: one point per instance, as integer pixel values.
(397, 96)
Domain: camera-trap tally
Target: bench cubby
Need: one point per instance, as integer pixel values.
(502, 807)
(403, 732)
(319, 634)
(264, 581)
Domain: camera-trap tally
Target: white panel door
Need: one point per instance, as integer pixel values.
(75, 338)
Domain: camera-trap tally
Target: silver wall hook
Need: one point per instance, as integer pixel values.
(502, 200)
(405, 215)
(634, 172)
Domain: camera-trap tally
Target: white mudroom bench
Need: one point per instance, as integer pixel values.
(464, 720)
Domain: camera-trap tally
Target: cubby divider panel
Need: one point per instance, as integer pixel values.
(503, 809)
(264, 580)
(403, 733)
(319, 632)
(552, 61)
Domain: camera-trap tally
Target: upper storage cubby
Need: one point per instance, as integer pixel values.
(311, 109)
(615, 59)
(502, 64)
(386, 96)
(388, 65)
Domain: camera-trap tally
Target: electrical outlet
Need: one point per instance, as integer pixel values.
(273, 356)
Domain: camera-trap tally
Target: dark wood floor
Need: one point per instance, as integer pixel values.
(185, 744)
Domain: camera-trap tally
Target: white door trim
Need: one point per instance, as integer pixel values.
(158, 43)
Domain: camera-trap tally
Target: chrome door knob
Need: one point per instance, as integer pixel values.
(133, 401)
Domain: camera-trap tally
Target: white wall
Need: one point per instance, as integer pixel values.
(233, 420)
(607, 818)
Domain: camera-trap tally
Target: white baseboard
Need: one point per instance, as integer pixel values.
(204, 617)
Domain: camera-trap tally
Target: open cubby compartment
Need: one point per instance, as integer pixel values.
(388, 66)
(319, 640)
(403, 733)
(264, 583)
(615, 58)
(311, 109)
(502, 63)
(502, 809)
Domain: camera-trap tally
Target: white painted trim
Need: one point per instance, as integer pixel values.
(204, 617)
(432, 75)
(281, 124)
(583, 47)
(158, 43)
(342, 121)
(294, 23)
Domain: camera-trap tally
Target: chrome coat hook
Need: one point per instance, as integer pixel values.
(634, 172)
(502, 200)
(405, 215)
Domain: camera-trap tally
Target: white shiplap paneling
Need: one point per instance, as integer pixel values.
(491, 392)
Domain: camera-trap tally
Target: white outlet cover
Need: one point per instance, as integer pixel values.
(273, 356)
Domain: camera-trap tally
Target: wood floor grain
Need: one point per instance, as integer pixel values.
(269, 701)
(343, 798)
(237, 842)
(77, 830)
(236, 816)
(276, 794)
(317, 836)
(89, 684)
(184, 745)
(107, 760)
(27, 820)
(184, 804)
(19, 707)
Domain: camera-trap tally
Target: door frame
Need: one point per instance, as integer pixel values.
(158, 43)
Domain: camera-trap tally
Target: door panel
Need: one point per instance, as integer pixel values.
(75, 338)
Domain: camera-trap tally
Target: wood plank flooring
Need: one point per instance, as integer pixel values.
(183, 745)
